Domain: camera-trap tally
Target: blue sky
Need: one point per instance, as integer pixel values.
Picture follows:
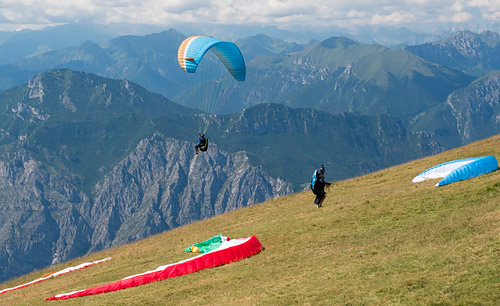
(418, 15)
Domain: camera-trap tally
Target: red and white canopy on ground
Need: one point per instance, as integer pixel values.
(228, 252)
(55, 274)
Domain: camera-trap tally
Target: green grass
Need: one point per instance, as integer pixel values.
(379, 240)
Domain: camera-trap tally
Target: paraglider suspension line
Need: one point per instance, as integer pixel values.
(223, 99)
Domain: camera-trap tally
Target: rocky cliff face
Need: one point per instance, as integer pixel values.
(476, 108)
(468, 114)
(470, 52)
(46, 219)
(162, 185)
(42, 216)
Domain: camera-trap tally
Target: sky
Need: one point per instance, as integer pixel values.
(418, 15)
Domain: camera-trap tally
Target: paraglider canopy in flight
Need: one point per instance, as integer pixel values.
(193, 48)
(459, 170)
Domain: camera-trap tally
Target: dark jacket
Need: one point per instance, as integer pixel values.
(318, 182)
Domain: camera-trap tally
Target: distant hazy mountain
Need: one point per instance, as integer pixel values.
(263, 45)
(466, 51)
(335, 75)
(339, 75)
(468, 114)
(235, 32)
(385, 35)
(88, 162)
(392, 36)
(149, 60)
(16, 46)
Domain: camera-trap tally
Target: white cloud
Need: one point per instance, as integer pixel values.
(461, 17)
(489, 9)
(394, 18)
(281, 13)
(484, 3)
(493, 16)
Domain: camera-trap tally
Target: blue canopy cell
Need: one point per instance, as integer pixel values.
(459, 170)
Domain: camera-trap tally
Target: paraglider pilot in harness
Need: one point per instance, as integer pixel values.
(318, 186)
(202, 143)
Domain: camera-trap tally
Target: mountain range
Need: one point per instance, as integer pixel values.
(149, 60)
(54, 37)
(472, 53)
(335, 75)
(339, 74)
(16, 46)
(468, 114)
(88, 162)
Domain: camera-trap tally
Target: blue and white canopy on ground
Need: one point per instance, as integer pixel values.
(459, 170)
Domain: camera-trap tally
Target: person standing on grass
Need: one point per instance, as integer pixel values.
(318, 186)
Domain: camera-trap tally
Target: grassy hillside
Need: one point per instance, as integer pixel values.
(379, 239)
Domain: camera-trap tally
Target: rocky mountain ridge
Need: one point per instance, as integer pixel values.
(277, 136)
(47, 219)
(468, 114)
(334, 75)
(472, 53)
